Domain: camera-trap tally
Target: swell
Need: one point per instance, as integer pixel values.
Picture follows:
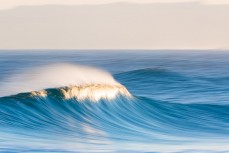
(87, 126)
(176, 86)
(145, 119)
(151, 72)
(151, 114)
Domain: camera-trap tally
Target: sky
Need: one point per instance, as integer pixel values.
(114, 24)
(7, 4)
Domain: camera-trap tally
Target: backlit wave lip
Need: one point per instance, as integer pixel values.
(92, 92)
(60, 75)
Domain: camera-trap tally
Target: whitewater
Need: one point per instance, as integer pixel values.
(114, 101)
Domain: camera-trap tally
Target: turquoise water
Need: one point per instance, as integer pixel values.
(180, 103)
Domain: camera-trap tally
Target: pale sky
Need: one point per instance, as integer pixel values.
(135, 24)
(7, 4)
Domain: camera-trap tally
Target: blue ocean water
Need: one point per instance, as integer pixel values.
(180, 103)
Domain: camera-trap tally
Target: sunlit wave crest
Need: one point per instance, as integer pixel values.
(74, 81)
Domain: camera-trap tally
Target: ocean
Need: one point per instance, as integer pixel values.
(130, 101)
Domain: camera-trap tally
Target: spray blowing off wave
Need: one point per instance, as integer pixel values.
(74, 81)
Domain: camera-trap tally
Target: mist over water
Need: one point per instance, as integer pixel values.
(162, 101)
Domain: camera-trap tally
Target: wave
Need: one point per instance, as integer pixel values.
(152, 73)
(74, 81)
(84, 109)
(93, 92)
(88, 127)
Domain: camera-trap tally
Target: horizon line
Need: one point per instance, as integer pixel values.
(113, 50)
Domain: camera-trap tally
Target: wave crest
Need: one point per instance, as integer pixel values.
(74, 81)
(95, 92)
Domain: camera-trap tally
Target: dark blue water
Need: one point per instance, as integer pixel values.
(180, 104)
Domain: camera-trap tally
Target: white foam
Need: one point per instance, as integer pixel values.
(80, 81)
(95, 92)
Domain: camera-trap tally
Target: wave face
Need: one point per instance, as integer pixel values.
(83, 109)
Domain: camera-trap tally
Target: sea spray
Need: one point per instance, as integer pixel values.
(74, 81)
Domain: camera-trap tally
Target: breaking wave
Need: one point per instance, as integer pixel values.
(72, 108)
(74, 81)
